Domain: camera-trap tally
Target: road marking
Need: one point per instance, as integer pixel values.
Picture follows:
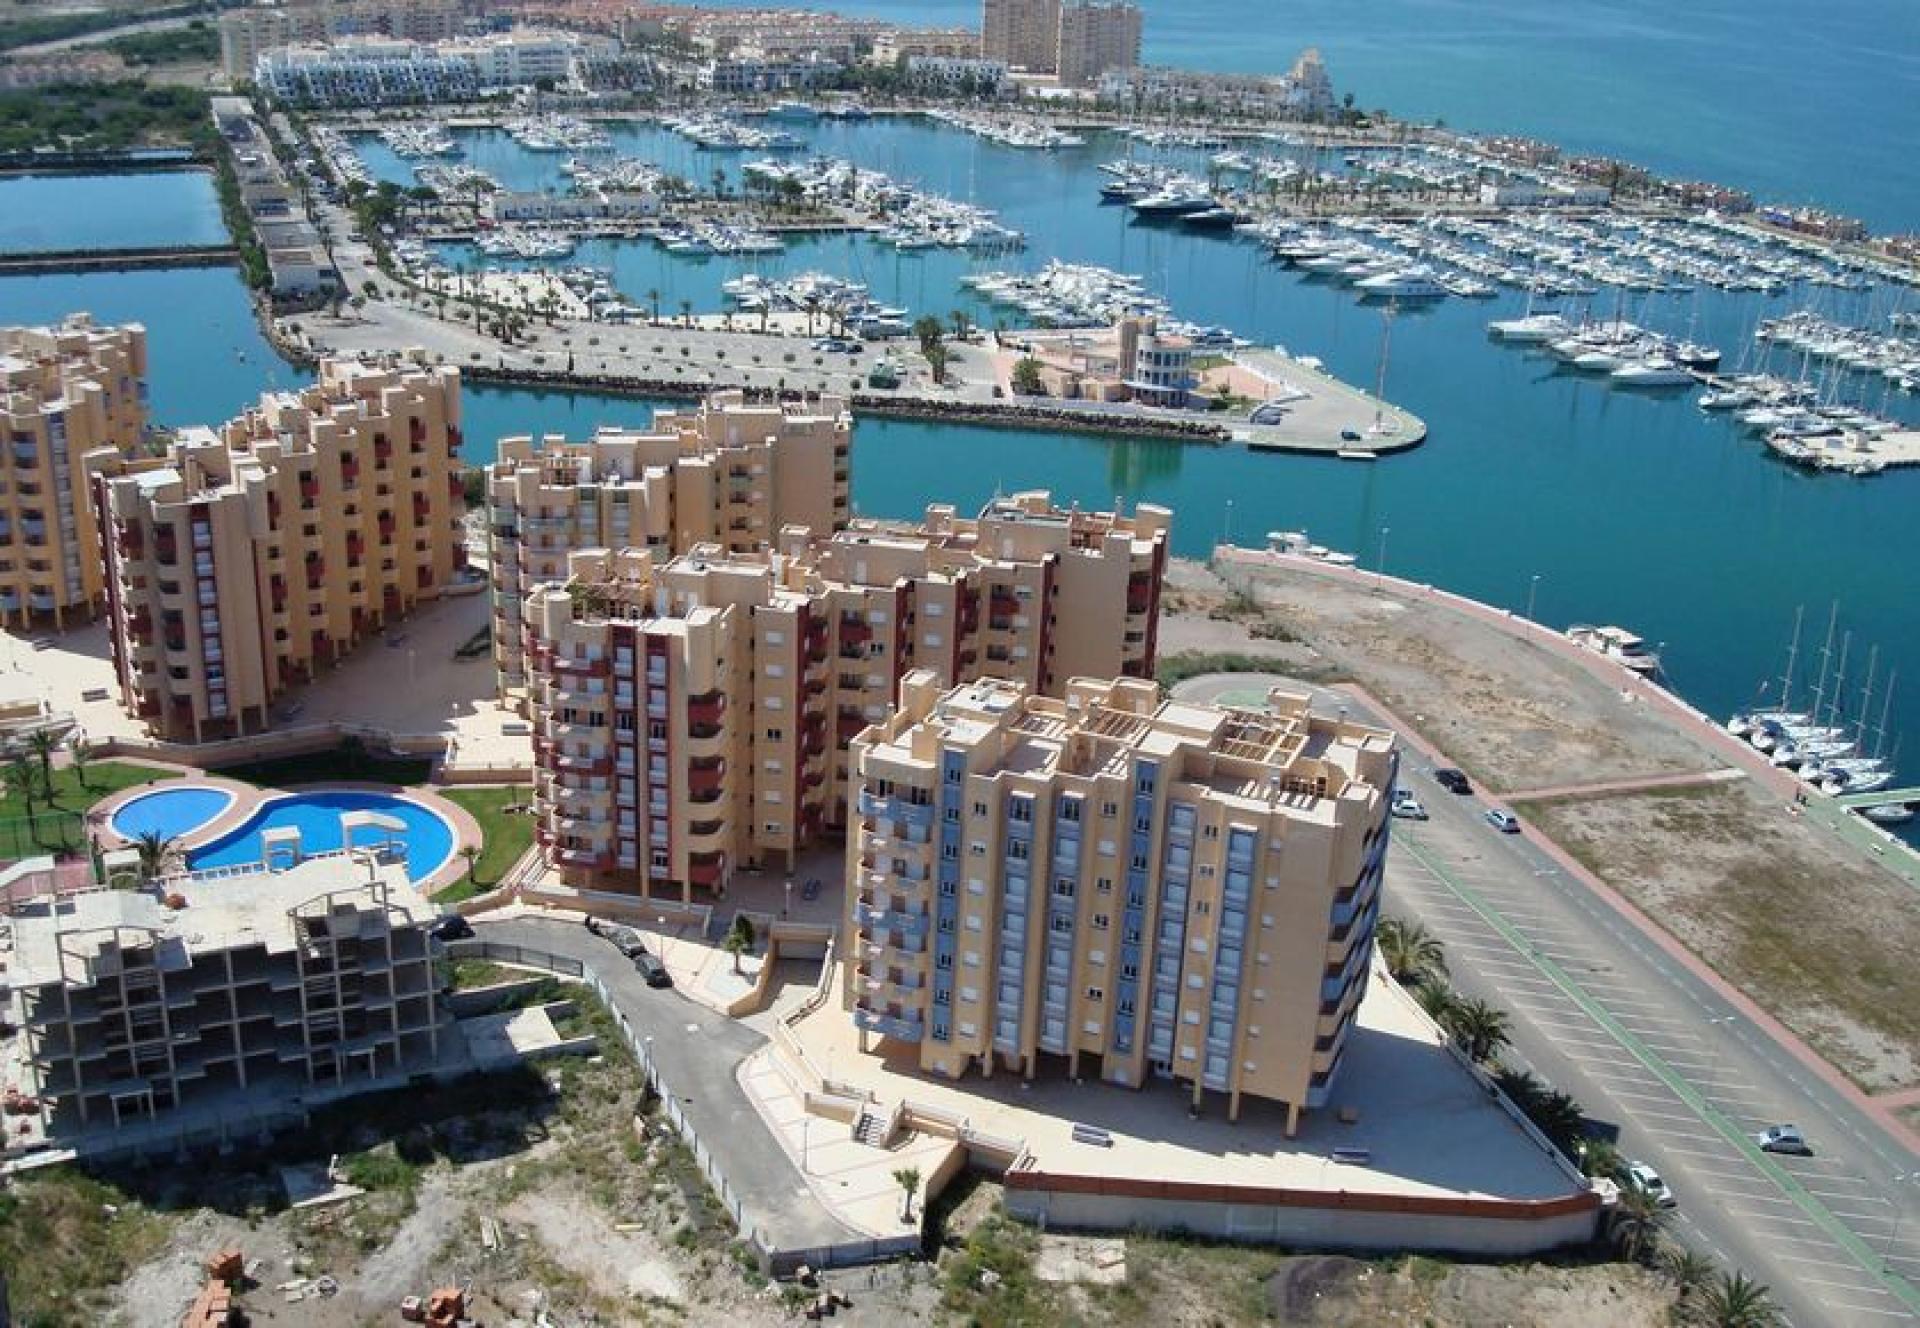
(1854, 1246)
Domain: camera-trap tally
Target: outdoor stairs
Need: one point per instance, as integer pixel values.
(870, 1130)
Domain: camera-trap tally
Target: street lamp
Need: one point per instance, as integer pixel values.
(1226, 528)
(1899, 1216)
(786, 909)
(1713, 1049)
(661, 921)
(1532, 589)
(806, 1126)
(1380, 571)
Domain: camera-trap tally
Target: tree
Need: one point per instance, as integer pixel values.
(81, 753)
(1026, 378)
(1637, 1223)
(1736, 1301)
(686, 313)
(470, 854)
(1480, 1028)
(1689, 1270)
(962, 323)
(928, 332)
(158, 853)
(22, 784)
(739, 940)
(1413, 955)
(937, 355)
(42, 745)
(1436, 998)
(908, 1179)
(653, 299)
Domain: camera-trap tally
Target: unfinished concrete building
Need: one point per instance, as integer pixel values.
(222, 987)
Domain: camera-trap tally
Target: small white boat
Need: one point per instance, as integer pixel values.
(1653, 371)
(1617, 644)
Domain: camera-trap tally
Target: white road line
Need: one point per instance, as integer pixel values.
(1852, 1308)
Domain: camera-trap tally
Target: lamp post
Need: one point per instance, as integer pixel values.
(806, 1127)
(786, 909)
(1380, 569)
(1533, 589)
(661, 921)
(1899, 1218)
(1713, 1049)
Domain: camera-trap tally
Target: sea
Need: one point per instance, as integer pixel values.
(1594, 504)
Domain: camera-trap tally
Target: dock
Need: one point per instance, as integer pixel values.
(1307, 409)
(119, 260)
(1856, 802)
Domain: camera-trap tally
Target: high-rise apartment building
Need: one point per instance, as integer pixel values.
(66, 392)
(1022, 34)
(733, 473)
(693, 717)
(131, 1003)
(1127, 887)
(1094, 38)
(242, 561)
(249, 32)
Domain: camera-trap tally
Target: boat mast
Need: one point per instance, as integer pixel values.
(1793, 652)
(1866, 700)
(1839, 682)
(1886, 712)
(1826, 657)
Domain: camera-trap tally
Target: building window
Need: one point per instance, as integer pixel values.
(1070, 810)
(1100, 921)
(1096, 994)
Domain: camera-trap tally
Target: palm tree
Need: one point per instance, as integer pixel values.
(1413, 955)
(21, 784)
(739, 939)
(1436, 998)
(1599, 1158)
(653, 299)
(1479, 1027)
(470, 853)
(686, 313)
(1736, 1301)
(41, 744)
(157, 853)
(1689, 1270)
(80, 754)
(1637, 1223)
(908, 1179)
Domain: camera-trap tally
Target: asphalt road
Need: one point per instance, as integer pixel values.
(1643, 1043)
(697, 1052)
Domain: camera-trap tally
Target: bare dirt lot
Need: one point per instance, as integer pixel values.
(1813, 929)
(1514, 715)
(1819, 936)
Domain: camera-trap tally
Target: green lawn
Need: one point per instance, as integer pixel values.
(506, 836)
(62, 826)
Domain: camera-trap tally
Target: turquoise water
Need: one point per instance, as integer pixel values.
(52, 212)
(1798, 100)
(170, 812)
(316, 816)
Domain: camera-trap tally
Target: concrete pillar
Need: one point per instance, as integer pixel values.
(1233, 1106)
(1293, 1119)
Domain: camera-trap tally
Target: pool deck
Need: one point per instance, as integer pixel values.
(249, 798)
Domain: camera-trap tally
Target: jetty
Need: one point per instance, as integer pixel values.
(119, 260)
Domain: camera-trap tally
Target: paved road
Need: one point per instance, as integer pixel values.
(697, 1052)
(1640, 1041)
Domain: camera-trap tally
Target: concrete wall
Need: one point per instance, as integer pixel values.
(1304, 1219)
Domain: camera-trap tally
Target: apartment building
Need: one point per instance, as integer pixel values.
(248, 33)
(1022, 34)
(242, 561)
(133, 1003)
(732, 473)
(66, 392)
(1094, 38)
(1115, 886)
(692, 716)
(892, 47)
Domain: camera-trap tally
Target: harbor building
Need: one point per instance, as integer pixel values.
(1094, 38)
(892, 48)
(242, 561)
(1133, 361)
(1115, 886)
(1021, 34)
(136, 1003)
(66, 392)
(731, 473)
(692, 716)
(249, 32)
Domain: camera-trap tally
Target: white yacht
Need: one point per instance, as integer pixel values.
(1652, 371)
(1617, 644)
(1728, 398)
(1531, 330)
(1407, 283)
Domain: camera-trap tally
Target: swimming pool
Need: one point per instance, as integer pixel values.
(170, 812)
(316, 815)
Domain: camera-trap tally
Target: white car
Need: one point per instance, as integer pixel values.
(1646, 1180)
(1783, 1139)
(1407, 806)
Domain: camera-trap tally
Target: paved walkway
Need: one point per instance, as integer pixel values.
(1613, 787)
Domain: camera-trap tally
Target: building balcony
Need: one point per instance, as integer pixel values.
(855, 632)
(707, 870)
(706, 780)
(896, 808)
(583, 857)
(704, 714)
(888, 1024)
(912, 926)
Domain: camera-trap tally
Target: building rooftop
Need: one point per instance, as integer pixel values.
(218, 910)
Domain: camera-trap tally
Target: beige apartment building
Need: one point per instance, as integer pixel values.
(1095, 38)
(67, 392)
(132, 1005)
(248, 32)
(1021, 34)
(693, 717)
(732, 473)
(1115, 886)
(243, 561)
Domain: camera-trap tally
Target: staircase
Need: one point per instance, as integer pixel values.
(870, 1130)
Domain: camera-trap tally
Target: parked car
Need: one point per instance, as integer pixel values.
(1645, 1179)
(452, 927)
(1408, 807)
(652, 970)
(1454, 781)
(1783, 1139)
(1505, 822)
(625, 939)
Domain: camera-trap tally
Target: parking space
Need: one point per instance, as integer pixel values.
(1612, 1020)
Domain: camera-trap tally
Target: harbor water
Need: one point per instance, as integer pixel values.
(52, 213)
